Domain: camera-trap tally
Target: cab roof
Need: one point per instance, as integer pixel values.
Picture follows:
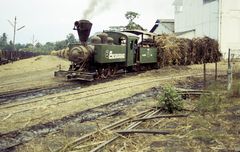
(123, 33)
(138, 32)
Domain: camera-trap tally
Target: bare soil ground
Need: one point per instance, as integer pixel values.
(38, 72)
(30, 73)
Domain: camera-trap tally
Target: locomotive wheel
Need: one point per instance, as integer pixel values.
(113, 71)
(105, 73)
(142, 68)
(98, 75)
(149, 67)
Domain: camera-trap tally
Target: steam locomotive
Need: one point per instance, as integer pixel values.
(104, 54)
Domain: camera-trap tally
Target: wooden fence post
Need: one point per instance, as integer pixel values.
(216, 71)
(229, 71)
(204, 75)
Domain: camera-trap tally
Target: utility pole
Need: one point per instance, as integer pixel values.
(33, 40)
(15, 29)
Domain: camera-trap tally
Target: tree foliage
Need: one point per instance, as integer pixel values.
(131, 24)
(71, 38)
(131, 16)
(3, 40)
(38, 47)
(4, 44)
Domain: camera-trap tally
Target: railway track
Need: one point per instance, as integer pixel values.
(11, 96)
(76, 96)
(98, 90)
(8, 141)
(56, 100)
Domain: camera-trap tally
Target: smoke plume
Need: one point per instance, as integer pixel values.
(96, 7)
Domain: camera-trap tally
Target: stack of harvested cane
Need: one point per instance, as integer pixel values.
(64, 53)
(206, 49)
(181, 51)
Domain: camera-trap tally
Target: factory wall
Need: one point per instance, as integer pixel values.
(230, 26)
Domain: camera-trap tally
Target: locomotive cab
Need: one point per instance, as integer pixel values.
(146, 51)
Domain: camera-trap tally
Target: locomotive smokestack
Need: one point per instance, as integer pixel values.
(83, 28)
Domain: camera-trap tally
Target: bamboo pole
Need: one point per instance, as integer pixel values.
(161, 116)
(144, 131)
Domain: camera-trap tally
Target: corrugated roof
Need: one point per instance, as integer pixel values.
(167, 23)
(184, 32)
(166, 20)
(178, 3)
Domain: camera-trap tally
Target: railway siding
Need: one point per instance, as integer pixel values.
(22, 114)
(49, 108)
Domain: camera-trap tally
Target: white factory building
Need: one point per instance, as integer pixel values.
(218, 19)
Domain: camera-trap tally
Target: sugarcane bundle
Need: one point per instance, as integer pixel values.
(185, 47)
(58, 53)
(198, 50)
(168, 50)
(66, 53)
(206, 50)
(182, 51)
(62, 53)
(54, 53)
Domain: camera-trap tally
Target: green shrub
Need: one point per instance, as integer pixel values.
(170, 100)
(210, 103)
(235, 90)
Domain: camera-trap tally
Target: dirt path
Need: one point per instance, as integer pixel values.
(30, 73)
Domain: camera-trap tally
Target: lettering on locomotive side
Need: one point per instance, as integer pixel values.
(110, 55)
(147, 54)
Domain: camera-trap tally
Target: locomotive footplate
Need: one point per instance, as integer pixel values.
(75, 75)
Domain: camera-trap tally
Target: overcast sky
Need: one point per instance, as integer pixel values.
(52, 20)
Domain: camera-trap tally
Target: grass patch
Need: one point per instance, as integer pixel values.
(235, 90)
(210, 104)
(204, 136)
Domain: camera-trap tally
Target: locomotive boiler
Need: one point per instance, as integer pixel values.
(106, 53)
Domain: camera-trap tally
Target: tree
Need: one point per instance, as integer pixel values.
(71, 38)
(29, 45)
(49, 46)
(131, 16)
(59, 45)
(9, 47)
(3, 41)
(19, 46)
(38, 45)
(131, 24)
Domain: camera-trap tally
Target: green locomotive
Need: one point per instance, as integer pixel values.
(105, 54)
